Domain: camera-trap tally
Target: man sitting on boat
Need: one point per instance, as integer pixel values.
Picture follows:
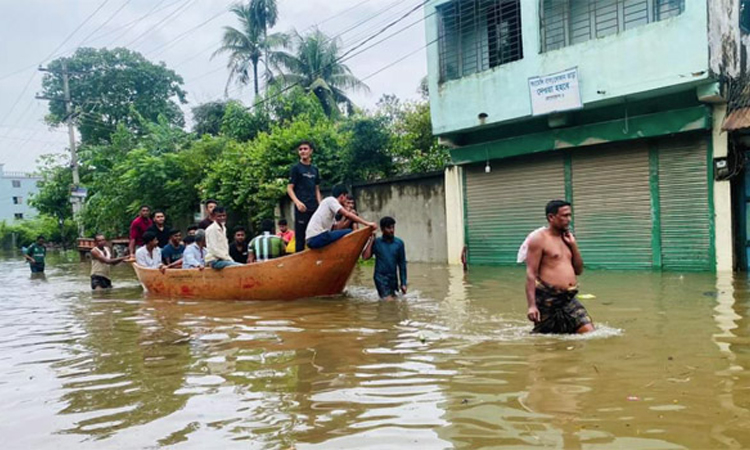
(218, 256)
(194, 256)
(149, 255)
(266, 246)
(319, 232)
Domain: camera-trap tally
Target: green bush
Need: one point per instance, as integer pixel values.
(27, 231)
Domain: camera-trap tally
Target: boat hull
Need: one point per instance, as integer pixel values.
(312, 273)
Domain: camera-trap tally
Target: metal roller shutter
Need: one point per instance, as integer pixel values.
(505, 205)
(612, 206)
(683, 195)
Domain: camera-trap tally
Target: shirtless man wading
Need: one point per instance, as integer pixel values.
(552, 263)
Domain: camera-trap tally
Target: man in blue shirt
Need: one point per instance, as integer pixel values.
(390, 257)
(171, 254)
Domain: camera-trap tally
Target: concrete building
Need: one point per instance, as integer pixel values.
(16, 188)
(614, 105)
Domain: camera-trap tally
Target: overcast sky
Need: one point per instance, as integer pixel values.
(33, 29)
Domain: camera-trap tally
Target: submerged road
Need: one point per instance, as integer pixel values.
(450, 366)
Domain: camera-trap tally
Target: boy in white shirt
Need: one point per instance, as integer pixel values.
(149, 255)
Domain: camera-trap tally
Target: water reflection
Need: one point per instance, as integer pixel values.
(450, 366)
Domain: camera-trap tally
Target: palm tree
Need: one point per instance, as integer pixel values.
(250, 43)
(316, 66)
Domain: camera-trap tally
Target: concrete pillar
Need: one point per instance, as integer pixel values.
(722, 197)
(454, 213)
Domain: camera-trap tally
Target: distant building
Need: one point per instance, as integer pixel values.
(15, 190)
(617, 106)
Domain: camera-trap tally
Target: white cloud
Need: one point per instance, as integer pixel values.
(39, 26)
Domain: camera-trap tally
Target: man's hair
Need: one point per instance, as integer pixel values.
(387, 221)
(174, 231)
(237, 229)
(306, 142)
(210, 200)
(189, 240)
(200, 236)
(219, 210)
(339, 190)
(192, 227)
(159, 211)
(144, 206)
(41, 236)
(99, 234)
(148, 237)
(350, 197)
(266, 225)
(554, 206)
(283, 222)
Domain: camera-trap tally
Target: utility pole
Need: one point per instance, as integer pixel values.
(76, 193)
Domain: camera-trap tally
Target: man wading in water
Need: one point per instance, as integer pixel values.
(552, 263)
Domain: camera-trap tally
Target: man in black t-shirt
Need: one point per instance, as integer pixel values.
(304, 190)
(238, 247)
(160, 228)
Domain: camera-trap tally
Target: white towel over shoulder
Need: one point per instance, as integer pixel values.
(524, 249)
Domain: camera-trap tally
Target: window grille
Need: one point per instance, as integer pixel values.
(18, 216)
(476, 35)
(16, 183)
(569, 22)
(17, 200)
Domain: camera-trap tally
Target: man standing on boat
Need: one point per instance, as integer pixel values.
(304, 190)
(553, 261)
(138, 228)
(160, 229)
(319, 233)
(207, 221)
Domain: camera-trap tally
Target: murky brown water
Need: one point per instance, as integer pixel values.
(450, 366)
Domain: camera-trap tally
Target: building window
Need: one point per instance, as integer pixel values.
(18, 216)
(569, 22)
(16, 183)
(17, 200)
(745, 15)
(477, 35)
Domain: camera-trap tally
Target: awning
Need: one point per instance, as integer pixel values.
(737, 120)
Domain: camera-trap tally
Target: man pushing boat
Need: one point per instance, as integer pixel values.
(552, 263)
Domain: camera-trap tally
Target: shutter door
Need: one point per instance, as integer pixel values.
(685, 214)
(505, 205)
(612, 206)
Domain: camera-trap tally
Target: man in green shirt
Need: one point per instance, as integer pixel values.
(35, 255)
(266, 246)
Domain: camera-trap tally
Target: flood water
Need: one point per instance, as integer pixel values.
(450, 366)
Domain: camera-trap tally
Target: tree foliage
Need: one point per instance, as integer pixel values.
(111, 88)
(315, 65)
(250, 44)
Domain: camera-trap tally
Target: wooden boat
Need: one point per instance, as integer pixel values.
(311, 273)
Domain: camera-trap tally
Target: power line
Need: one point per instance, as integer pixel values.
(186, 33)
(65, 41)
(103, 24)
(177, 11)
(130, 25)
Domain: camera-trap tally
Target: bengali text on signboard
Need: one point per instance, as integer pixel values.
(555, 93)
